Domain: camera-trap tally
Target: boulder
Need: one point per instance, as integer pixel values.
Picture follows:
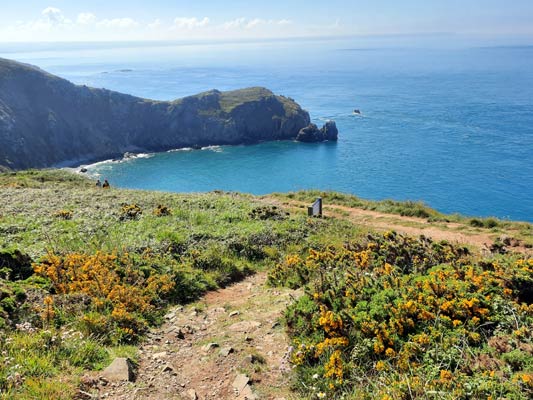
(240, 382)
(119, 370)
(226, 351)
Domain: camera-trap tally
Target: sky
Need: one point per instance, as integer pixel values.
(134, 20)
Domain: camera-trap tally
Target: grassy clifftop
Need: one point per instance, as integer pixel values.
(47, 121)
(88, 271)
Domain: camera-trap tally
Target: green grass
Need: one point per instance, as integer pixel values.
(201, 242)
(206, 241)
(231, 99)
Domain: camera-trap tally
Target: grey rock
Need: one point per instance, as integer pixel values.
(170, 315)
(226, 351)
(119, 370)
(160, 355)
(191, 394)
(209, 346)
(244, 326)
(240, 382)
(247, 393)
(168, 368)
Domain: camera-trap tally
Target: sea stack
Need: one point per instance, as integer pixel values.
(311, 133)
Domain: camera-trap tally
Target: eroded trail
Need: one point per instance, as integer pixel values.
(230, 345)
(453, 232)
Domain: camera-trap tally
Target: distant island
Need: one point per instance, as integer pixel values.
(48, 121)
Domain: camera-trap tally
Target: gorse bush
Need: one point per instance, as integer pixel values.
(122, 297)
(399, 318)
(63, 214)
(268, 212)
(130, 211)
(162, 211)
(409, 254)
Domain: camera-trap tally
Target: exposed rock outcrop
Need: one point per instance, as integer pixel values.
(48, 121)
(311, 133)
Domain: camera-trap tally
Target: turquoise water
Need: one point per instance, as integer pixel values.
(450, 127)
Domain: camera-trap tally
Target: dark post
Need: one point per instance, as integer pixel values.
(316, 208)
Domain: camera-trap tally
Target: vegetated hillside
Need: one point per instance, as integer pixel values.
(46, 120)
(87, 271)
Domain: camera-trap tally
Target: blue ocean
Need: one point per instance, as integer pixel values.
(452, 127)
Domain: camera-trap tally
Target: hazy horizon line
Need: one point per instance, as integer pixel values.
(45, 45)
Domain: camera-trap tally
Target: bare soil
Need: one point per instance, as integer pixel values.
(454, 232)
(202, 348)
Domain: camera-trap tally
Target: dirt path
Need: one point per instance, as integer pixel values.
(413, 226)
(450, 231)
(203, 348)
(230, 345)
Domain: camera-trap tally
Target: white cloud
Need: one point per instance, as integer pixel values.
(54, 16)
(246, 23)
(121, 23)
(255, 22)
(236, 23)
(284, 22)
(52, 24)
(190, 23)
(86, 18)
(155, 24)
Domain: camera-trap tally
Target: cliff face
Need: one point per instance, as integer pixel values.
(46, 120)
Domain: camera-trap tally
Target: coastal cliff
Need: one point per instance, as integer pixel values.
(48, 121)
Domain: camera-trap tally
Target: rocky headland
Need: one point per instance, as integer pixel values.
(48, 121)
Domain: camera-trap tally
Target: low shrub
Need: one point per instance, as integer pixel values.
(130, 211)
(394, 317)
(268, 212)
(162, 211)
(63, 214)
(122, 297)
(15, 265)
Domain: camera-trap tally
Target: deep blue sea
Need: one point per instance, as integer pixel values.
(452, 127)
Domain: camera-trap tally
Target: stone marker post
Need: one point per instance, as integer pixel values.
(315, 209)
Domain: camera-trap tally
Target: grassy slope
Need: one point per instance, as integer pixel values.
(207, 241)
